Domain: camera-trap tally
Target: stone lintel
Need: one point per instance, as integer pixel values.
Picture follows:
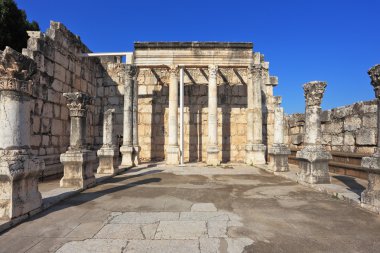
(193, 44)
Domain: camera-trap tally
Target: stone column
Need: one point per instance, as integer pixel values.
(313, 158)
(108, 154)
(279, 151)
(255, 149)
(135, 120)
(172, 152)
(371, 196)
(128, 126)
(78, 161)
(212, 145)
(19, 170)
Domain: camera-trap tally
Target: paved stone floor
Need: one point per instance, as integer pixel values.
(197, 209)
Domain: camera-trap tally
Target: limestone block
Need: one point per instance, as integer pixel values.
(370, 121)
(313, 163)
(47, 110)
(352, 123)
(337, 140)
(326, 116)
(297, 139)
(349, 139)
(366, 136)
(334, 127)
(59, 72)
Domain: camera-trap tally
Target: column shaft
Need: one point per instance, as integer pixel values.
(135, 120)
(212, 147)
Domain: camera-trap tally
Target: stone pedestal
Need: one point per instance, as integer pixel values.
(313, 158)
(108, 154)
(212, 145)
(255, 154)
(371, 196)
(313, 162)
(127, 148)
(19, 170)
(78, 171)
(78, 162)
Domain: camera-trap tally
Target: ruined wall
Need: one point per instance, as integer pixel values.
(61, 70)
(232, 103)
(350, 128)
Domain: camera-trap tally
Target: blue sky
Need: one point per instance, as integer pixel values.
(304, 40)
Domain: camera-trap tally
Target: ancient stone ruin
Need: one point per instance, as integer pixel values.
(64, 111)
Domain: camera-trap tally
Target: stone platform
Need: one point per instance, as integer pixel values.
(235, 208)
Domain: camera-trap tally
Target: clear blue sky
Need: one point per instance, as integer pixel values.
(304, 40)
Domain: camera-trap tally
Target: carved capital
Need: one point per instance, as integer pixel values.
(254, 71)
(314, 92)
(277, 101)
(78, 102)
(17, 72)
(213, 71)
(374, 74)
(174, 71)
(131, 71)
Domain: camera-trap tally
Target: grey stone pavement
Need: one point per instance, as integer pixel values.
(155, 208)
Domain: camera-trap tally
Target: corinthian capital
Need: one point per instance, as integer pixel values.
(374, 73)
(131, 71)
(314, 92)
(254, 71)
(78, 102)
(212, 70)
(173, 70)
(277, 101)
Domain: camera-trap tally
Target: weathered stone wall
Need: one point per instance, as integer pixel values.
(350, 128)
(61, 70)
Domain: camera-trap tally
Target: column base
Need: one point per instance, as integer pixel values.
(279, 158)
(371, 196)
(136, 155)
(108, 161)
(213, 156)
(255, 154)
(78, 169)
(172, 155)
(313, 163)
(19, 185)
(127, 156)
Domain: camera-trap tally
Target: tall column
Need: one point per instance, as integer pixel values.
(78, 161)
(108, 153)
(19, 170)
(371, 196)
(128, 126)
(172, 152)
(279, 151)
(313, 158)
(212, 145)
(135, 120)
(255, 149)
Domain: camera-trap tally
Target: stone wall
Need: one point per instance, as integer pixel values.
(350, 128)
(61, 70)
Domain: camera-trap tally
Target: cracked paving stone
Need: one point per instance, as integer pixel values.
(203, 207)
(203, 216)
(120, 231)
(181, 230)
(145, 217)
(163, 246)
(93, 245)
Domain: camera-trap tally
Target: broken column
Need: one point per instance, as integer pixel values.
(108, 154)
(313, 158)
(127, 148)
(279, 152)
(255, 149)
(19, 170)
(212, 145)
(78, 160)
(371, 196)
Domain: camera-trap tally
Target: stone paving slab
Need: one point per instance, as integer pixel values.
(94, 245)
(187, 230)
(120, 231)
(147, 217)
(161, 246)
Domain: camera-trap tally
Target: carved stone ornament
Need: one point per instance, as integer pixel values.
(254, 71)
(213, 70)
(277, 101)
(314, 92)
(173, 70)
(131, 71)
(17, 71)
(374, 73)
(78, 102)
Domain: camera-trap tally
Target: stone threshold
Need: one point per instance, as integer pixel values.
(335, 190)
(53, 197)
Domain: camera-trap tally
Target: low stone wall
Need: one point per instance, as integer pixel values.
(350, 128)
